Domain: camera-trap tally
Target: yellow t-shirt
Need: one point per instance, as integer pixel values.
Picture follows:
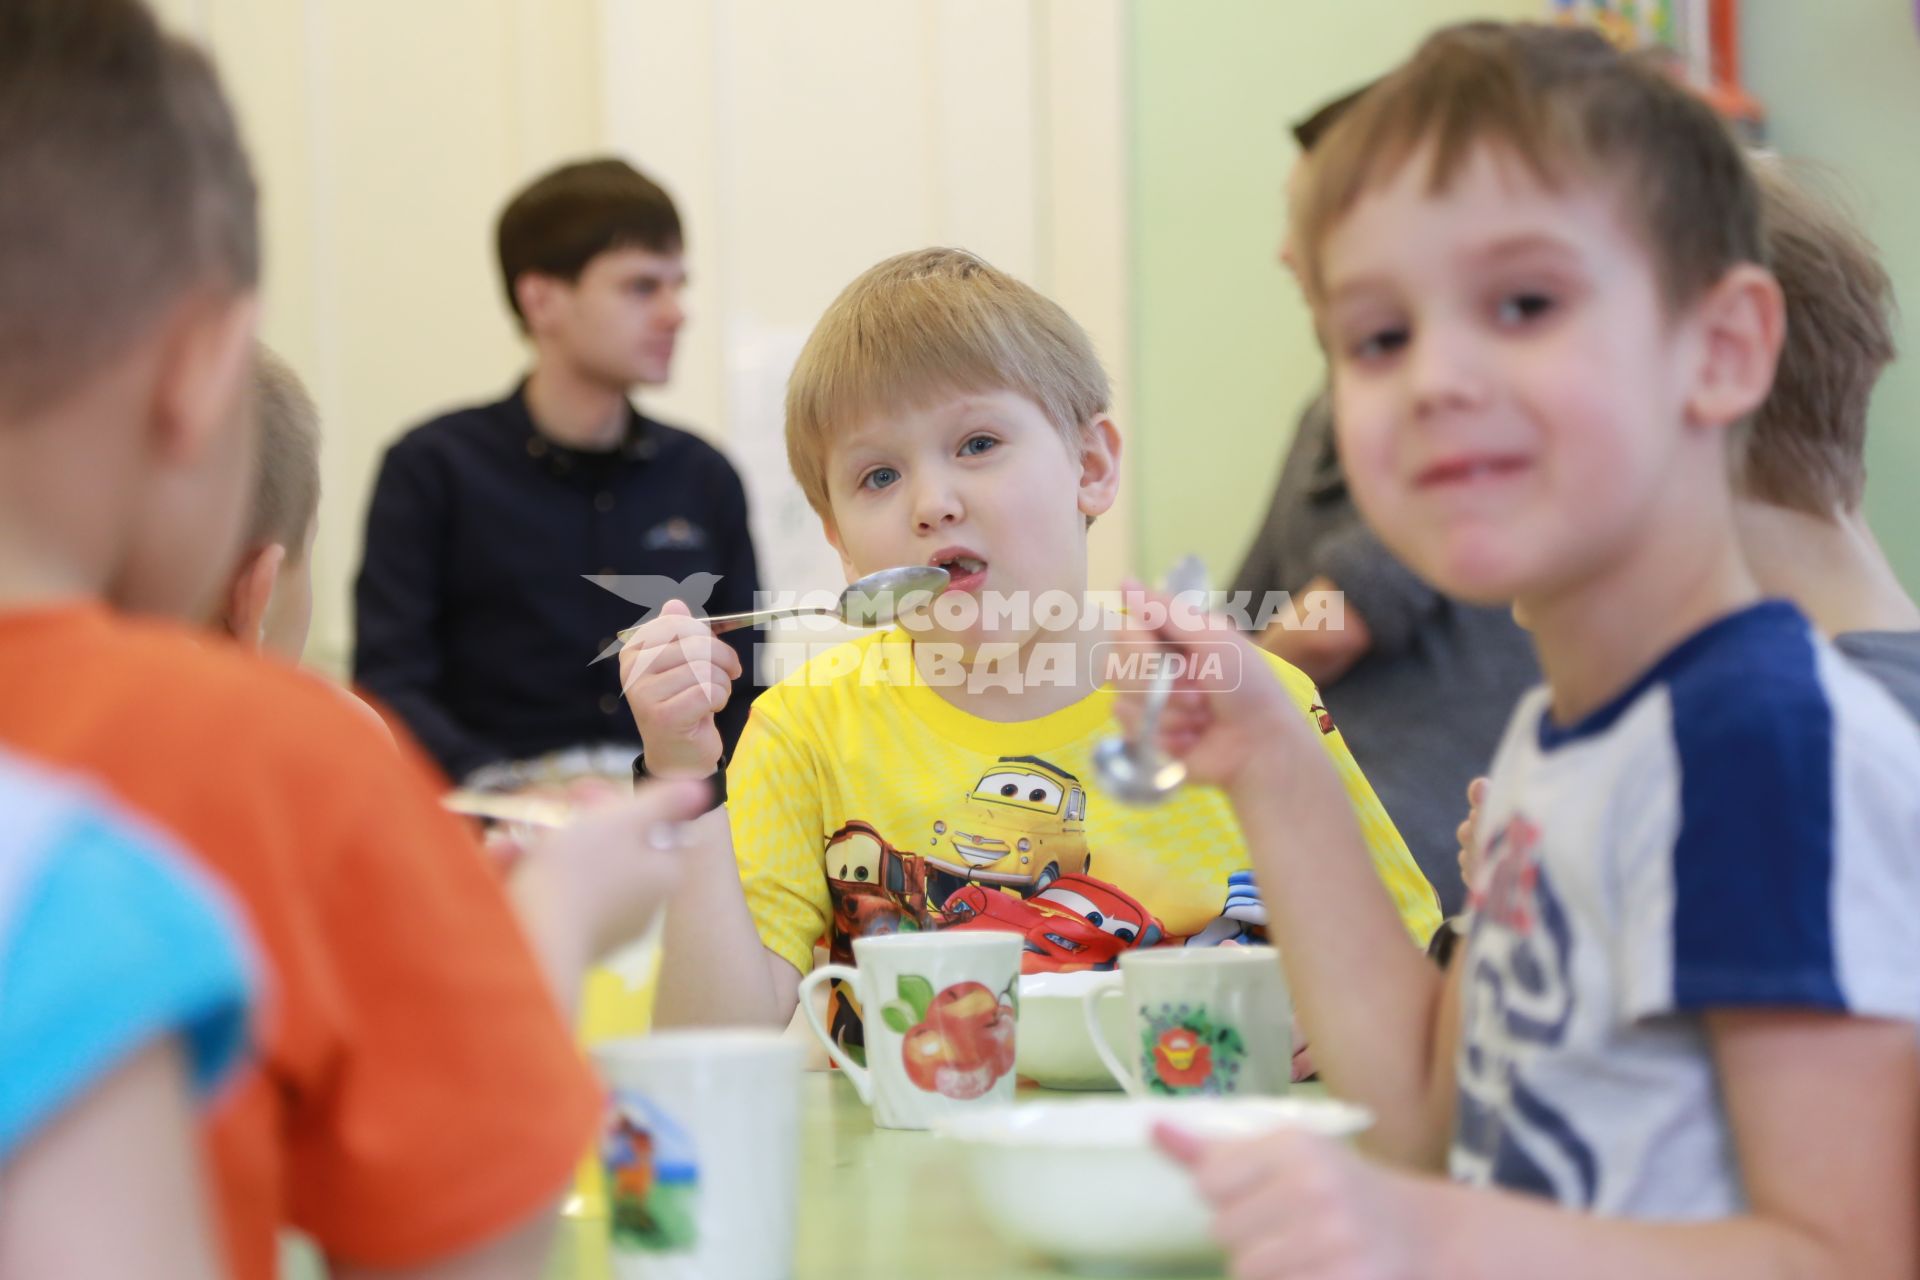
(862, 801)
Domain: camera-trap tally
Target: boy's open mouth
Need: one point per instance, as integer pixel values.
(965, 570)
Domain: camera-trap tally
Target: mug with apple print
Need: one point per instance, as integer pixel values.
(1206, 1020)
(939, 1011)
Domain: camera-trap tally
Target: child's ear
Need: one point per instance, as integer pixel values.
(251, 592)
(1099, 466)
(1744, 322)
(206, 367)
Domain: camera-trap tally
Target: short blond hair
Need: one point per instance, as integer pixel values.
(286, 493)
(927, 324)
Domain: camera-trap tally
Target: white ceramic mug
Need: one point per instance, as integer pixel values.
(701, 1152)
(938, 1011)
(1205, 1020)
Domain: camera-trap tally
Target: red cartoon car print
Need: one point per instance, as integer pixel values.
(1076, 922)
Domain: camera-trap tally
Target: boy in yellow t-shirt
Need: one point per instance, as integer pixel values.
(938, 774)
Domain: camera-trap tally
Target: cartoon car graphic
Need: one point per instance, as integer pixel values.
(874, 887)
(1024, 825)
(1076, 922)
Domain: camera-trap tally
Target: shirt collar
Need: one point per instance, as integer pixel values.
(640, 444)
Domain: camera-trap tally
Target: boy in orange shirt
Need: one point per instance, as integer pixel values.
(417, 1100)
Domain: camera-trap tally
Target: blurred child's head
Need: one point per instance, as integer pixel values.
(1306, 136)
(1535, 265)
(126, 300)
(943, 412)
(590, 256)
(1806, 450)
(269, 597)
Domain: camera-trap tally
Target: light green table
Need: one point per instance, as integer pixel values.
(875, 1204)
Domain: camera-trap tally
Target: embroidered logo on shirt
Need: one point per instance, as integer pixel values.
(677, 534)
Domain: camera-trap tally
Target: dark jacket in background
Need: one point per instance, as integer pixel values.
(474, 618)
(1423, 710)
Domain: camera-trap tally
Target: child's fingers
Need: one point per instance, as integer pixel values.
(668, 632)
(587, 793)
(662, 805)
(690, 709)
(672, 800)
(1233, 1170)
(1183, 1147)
(1477, 791)
(661, 686)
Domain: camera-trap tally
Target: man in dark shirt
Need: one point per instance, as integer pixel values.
(507, 543)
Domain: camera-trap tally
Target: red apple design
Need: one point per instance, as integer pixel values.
(962, 1013)
(957, 1043)
(1180, 1060)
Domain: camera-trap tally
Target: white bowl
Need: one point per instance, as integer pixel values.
(1051, 1046)
(1082, 1181)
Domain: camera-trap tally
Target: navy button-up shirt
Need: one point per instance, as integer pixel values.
(475, 619)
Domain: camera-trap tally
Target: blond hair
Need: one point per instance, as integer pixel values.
(1808, 441)
(931, 323)
(286, 494)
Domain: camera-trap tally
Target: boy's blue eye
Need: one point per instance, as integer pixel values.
(879, 478)
(978, 444)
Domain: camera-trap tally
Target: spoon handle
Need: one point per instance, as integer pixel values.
(734, 621)
(1189, 574)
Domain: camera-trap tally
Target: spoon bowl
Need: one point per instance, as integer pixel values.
(878, 598)
(1134, 775)
(1135, 770)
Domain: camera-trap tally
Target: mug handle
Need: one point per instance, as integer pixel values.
(862, 1079)
(1123, 1075)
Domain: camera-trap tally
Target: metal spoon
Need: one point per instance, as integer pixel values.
(1135, 770)
(872, 601)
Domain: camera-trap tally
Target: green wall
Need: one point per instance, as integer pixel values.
(1841, 83)
(1222, 354)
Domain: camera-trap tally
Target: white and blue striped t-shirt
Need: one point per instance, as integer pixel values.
(1739, 828)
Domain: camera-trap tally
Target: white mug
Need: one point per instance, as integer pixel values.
(1205, 1020)
(701, 1152)
(939, 1014)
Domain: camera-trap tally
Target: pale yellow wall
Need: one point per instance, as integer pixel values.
(805, 142)
(385, 136)
(1224, 357)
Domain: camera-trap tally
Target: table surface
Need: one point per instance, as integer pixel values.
(873, 1203)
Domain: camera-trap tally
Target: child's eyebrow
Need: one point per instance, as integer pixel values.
(1357, 288)
(1527, 244)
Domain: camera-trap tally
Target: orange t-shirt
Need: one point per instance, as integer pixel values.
(415, 1090)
